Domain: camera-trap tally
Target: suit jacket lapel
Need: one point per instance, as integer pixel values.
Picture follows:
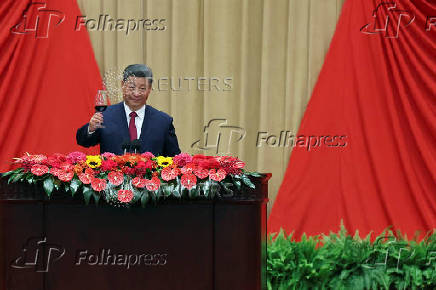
(145, 127)
(124, 128)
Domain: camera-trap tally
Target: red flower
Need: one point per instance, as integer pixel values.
(231, 165)
(98, 184)
(128, 170)
(65, 166)
(182, 159)
(38, 158)
(169, 173)
(188, 180)
(90, 171)
(125, 195)
(39, 170)
(139, 182)
(141, 167)
(217, 175)
(152, 184)
(108, 165)
(115, 177)
(201, 173)
(188, 168)
(85, 178)
(207, 162)
(55, 171)
(65, 176)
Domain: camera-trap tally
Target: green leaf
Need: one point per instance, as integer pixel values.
(167, 189)
(193, 192)
(254, 174)
(214, 189)
(96, 196)
(9, 173)
(176, 191)
(48, 186)
(238, 184)
(87, 192)
(74, 185)
(247, 181)
(57, 184)
(144, 198)
(226, 187)
(16, 177)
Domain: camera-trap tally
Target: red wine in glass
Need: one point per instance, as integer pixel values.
(100, 108)
(101, 103)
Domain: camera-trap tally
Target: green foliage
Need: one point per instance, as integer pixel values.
(341, 261)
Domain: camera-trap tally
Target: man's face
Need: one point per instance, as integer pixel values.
(135, 92)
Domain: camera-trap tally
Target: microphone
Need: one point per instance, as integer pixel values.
(135, 146)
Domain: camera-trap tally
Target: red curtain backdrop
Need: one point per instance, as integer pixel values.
(377, 91)
(48, 78)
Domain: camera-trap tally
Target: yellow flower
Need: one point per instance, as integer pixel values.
(164, 161)
(93, 161)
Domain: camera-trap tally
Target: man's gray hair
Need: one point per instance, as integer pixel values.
(138, 70)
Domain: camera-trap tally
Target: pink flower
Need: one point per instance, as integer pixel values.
(217, 175)
(85, 178)
(66, 166)
(148, 155)
(39, 170)
(115, 177)
(65, 176)
(125, 195)
(152, 184)
(182, 159)
(188, 180)
(169, 173)
(201, 173)
(98, 184)
(139, 182)
(107, 155)
(76, 156)
(55, 171)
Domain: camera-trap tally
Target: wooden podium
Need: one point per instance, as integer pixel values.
(63, 244)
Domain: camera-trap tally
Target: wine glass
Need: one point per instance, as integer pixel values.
(101, 102)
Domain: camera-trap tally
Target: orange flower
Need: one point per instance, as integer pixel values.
(78, 169)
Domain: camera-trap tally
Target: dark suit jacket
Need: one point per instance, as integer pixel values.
(157, 135)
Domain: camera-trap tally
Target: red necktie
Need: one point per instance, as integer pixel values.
(132, 126)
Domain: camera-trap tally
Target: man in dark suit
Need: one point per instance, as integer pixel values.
(131, 119)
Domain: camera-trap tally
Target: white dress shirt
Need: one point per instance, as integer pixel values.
(138, 120)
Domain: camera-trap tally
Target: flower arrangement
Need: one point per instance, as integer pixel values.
(126, 179)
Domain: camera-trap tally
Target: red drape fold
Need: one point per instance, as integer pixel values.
(377, 88)
(48, 78)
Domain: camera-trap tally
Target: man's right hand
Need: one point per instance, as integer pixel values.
(95, 122)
